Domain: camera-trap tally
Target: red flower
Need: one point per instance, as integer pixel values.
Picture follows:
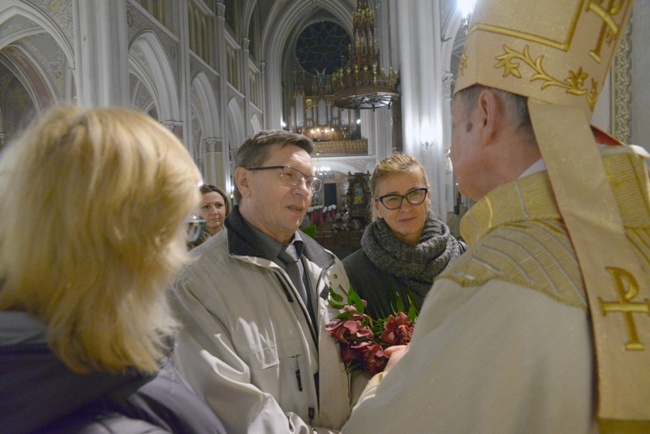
(372, 357)
(397, 330)
(363, 339)
(348, 354)
(405, 333)
(351, 327)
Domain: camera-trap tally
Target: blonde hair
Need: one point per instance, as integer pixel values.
(393, 165)
(92, 204)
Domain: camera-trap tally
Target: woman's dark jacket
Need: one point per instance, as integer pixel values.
(38, 394)
(386, 268)
(378, 287)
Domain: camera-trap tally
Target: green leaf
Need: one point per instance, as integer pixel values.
(310, 230)
(355, 300)
(335, 295)
(345, 315)
(413, 310)
(399, 304)
(413, 313)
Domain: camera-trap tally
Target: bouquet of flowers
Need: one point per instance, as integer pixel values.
(363, 339)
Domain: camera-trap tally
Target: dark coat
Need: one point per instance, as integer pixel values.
(38, 394)
(378, 287)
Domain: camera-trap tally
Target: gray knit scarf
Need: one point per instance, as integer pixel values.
(415, 266)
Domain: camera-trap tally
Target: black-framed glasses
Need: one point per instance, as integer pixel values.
(295, 177)
(394, 201)
(194, 228)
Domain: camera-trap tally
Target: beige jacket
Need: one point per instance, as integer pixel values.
(245, 336)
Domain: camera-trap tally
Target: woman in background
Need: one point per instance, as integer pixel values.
(405, 247)
(93, 205)
(214, 208)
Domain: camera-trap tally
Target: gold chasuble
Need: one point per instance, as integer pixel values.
(557, 53)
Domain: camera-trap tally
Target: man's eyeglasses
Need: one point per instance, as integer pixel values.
(194, 228)
(294, 177)
(394, 201)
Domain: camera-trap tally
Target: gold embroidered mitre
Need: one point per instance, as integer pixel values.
(554, 51)
(557, 53)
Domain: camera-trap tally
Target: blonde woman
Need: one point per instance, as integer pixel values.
(405, 247)
(93, 205)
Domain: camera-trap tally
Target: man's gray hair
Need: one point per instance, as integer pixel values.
(255, 150)
(516, 107)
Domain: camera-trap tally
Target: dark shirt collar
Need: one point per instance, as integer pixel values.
(246, 240)
(270, 248)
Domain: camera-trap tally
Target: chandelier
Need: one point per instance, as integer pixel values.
(362, 84)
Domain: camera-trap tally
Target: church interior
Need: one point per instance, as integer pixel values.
(361, 78)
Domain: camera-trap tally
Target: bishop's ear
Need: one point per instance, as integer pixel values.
(491, 113)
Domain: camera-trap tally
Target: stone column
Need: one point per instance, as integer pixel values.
(262, 82)
(101, 52)
(396, 115)
(184, 93)
(176, 128)
(246, 85)
(223, 174)
(418, 21)
(387, 137)
(212, 163)
(448, 84)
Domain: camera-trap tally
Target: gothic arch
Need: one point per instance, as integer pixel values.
(149, 63)
(236, 129)
(204, 118)
(277, 31)
(25, 71)
(14, 8)
(206, 105)
(35, 65)
(256, 125)
(453, 39)
(143, 90)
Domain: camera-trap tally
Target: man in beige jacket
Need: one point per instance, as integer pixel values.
(253, 342)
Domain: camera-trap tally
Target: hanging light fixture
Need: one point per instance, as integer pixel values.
(362, 83)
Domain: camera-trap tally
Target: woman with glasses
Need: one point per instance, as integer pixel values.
(405, 247)
(85, 326)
